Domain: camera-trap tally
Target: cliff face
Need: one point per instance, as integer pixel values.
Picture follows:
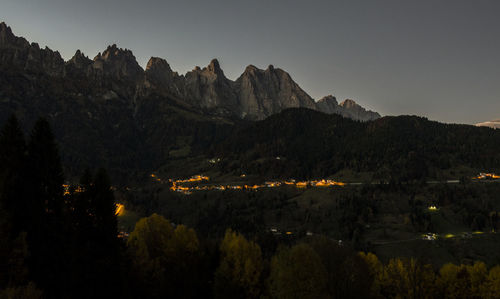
(209, 89)
(262, 93)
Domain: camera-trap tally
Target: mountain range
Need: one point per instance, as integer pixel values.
(255, 95)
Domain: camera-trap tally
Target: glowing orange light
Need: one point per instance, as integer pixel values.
(120, 209)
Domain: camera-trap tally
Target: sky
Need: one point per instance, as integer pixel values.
(434, 58)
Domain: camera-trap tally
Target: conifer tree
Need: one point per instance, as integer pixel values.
(13, 203)
(46, 238)
(12, 184)
(47, 170)
(103, 204)
(96, 252)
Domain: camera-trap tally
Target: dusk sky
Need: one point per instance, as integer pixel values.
(439, 59)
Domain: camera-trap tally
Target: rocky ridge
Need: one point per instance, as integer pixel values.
(255, 95)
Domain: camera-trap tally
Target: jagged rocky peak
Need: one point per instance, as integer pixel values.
(263, 93)
(18, 52)
(113, 52)
(156, 64)
(214, 67)
(159, 75)
(47, 61)
(251, 69)
(211, 72)
(348, 103)
(329, 99)
(347, 108)
(118, 63)
(79, 60)
(9, 40)
(328, 105)
(5, 33)
(210, 89)
(353, 110)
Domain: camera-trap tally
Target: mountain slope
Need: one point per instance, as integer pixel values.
(310, 144)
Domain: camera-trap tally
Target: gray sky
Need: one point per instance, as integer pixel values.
(434, 58)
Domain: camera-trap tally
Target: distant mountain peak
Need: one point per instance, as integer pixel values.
(79, 56)
(118, 63)
(214, 66)
(158, 72)
(251, 68)
(329, 105)
(263, 93)
(347, 108)
(113, 51)
(8, 39)
(4, 28)
(79, 60)
(348, 103)
(157, 63)
(330, 99)
(495, 124)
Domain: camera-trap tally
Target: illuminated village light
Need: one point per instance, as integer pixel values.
(432, 208)
(120, 209)
(486, 175)
(178, 187)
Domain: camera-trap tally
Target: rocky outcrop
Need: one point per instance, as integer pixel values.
(9, 41)
(495, 124)
(354, 111)
(79, 61)
(160, 78)
(347, 108)
(262, 93)
(329, 105)
(117, 63)
(209, 89)
(19, 53)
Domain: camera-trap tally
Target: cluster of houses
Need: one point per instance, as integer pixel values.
(177, 185)
(487, 176)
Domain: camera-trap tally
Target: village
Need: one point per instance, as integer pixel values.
(177, 185)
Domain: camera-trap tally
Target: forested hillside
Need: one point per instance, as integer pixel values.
(306, 144)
